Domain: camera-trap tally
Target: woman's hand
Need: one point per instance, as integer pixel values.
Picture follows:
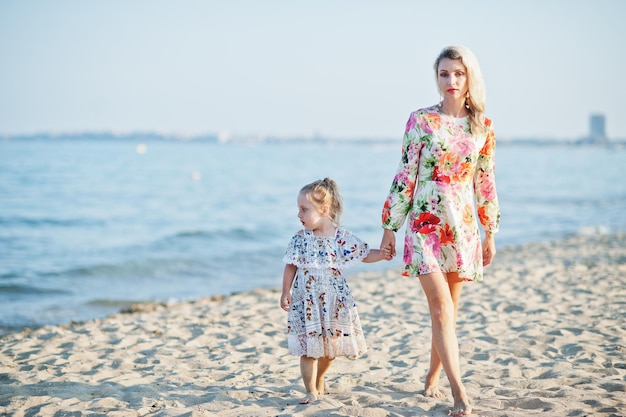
(389, 241)
(489, 249)
(385, 252)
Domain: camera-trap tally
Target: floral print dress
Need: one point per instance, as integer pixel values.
(445, 177)
(323, 319)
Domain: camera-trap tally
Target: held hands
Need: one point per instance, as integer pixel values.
(388, 243)
(376, 255)
(385, 252)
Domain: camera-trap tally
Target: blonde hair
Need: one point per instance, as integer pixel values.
(476, 97)
(325, 193)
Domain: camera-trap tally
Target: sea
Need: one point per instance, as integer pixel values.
(89, 226)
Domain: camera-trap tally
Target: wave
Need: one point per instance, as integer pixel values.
(233, 234)
(16, 289)
(13, 221)
(568, 200)
(139, 268)
(593, 231)
(216, 255)
(116, 304)
(174, 265)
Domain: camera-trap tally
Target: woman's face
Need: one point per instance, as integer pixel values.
(452, 78)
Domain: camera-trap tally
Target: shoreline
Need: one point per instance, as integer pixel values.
(129, 307)
(543, 333)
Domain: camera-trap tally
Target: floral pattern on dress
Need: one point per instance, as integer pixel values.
(444, 185)
(323, 320)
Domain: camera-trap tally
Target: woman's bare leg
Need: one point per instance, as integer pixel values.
(431, 386)
(442, 312)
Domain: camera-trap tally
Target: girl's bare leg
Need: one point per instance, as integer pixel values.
(442, 313)
(308, 368)
(322, 366)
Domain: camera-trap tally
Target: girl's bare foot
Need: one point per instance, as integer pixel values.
(461, 408)
(308, 398)
(321, 388)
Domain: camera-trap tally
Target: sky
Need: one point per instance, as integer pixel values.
(287, 68)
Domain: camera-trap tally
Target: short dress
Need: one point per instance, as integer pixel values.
(446, 176)
(323, 320)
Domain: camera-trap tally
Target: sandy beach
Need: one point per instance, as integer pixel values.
(544, 334)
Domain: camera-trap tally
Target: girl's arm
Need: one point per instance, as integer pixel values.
(376, 255)
(288, 275)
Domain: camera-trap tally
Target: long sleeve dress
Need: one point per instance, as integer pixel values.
(323, 320)
(445, 177)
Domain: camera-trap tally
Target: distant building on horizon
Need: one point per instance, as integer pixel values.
(597, 130)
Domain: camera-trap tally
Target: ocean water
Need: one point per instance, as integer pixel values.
(88, 227)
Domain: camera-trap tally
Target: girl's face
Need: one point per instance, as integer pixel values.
(452, 78)
(310, 216)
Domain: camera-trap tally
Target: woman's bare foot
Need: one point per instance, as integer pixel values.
(433, 391)
(431, 387)
(308, 398)
(461, 408)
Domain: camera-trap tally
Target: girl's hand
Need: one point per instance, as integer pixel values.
(285, 301)
(489, 249)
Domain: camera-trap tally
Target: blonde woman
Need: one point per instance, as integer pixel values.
(444, 183)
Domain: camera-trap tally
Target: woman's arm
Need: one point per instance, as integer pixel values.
(486, 196)
(485, 184)
(399, 200)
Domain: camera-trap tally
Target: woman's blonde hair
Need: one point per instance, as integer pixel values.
(476, 97)
(325, 193)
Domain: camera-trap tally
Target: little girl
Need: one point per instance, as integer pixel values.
(323, 322)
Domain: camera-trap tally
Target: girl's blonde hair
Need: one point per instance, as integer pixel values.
(476, 97)
(325, 193)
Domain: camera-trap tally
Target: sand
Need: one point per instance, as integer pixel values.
(544, 334)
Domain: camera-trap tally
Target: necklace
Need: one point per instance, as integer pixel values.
(457, 116)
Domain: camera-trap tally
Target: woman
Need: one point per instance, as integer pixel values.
(445, 173)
